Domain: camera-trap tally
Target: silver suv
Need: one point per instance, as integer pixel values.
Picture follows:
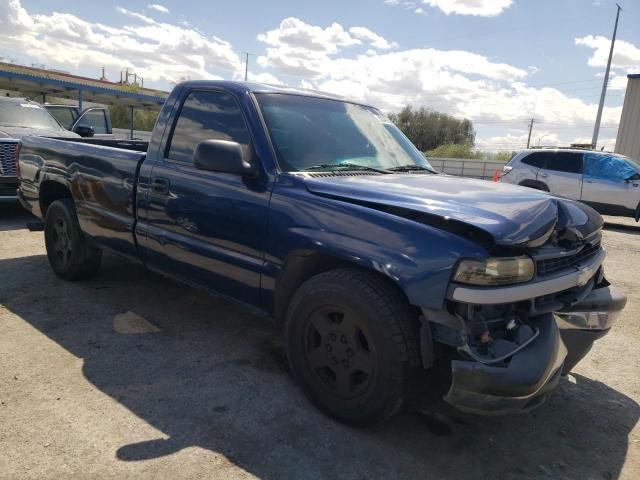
(608, 182)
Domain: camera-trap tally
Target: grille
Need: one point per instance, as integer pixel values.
(551, 265)
(8, 159)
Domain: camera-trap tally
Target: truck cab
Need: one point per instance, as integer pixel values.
(20, 117)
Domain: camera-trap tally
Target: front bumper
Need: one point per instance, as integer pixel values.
(521, 384)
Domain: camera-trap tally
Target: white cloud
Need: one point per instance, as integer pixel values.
(158, 7)
(157, 51)
(372, 38)
(484, 8)
(264, 77)
(293, 33)
(625, 54)
(300, 49)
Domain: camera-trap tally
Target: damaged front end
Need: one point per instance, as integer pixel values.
(512, 343)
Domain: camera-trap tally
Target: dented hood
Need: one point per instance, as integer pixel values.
(511, 215)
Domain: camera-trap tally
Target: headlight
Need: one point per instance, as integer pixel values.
(495, 271)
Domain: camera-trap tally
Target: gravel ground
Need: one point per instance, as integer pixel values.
(130, 375)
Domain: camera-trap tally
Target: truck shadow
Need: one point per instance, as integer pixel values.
(215, 377)
(14, 217)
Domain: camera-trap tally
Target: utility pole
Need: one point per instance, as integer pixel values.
(530, 130)
(246, 66)
(596, 128)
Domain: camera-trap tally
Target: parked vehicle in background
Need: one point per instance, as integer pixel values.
(71, 117)
(608, 182)
(319, 212)
(20, 117)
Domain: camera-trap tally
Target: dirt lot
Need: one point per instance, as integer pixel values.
(206, 393)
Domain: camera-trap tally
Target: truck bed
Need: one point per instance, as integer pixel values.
(101, 175)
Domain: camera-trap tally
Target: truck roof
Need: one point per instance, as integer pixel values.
(17, 100)
(254, 87)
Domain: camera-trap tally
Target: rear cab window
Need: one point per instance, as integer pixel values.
(206, 115)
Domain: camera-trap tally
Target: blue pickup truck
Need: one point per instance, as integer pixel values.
(319, 212)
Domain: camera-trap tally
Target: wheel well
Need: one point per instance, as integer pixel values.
(50, 192)
(300, 267)
(535, 184)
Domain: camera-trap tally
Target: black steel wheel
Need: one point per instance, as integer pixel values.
(70, 255)
(61, 239)
(339, 351)
(351, 343)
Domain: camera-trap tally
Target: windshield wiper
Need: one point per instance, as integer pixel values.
(343, 166)
(410, 168)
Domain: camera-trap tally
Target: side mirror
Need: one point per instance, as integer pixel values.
(84, 130)
(225, 157)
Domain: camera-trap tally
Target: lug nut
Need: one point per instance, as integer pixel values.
(349, 353)
(332, 336)
(343, 339)
(328, 347)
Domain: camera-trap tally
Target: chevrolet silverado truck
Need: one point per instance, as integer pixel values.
(320, 213)
(20, 117)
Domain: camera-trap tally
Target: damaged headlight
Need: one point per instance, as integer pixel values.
(495, 271)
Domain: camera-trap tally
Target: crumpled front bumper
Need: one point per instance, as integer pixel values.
(564, 339)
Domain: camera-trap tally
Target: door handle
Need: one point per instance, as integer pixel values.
(544, 175)
(589, 181)
(160, 185)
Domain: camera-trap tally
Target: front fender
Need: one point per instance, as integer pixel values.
(417, 257)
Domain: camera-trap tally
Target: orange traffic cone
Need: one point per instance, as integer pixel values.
(496, 175)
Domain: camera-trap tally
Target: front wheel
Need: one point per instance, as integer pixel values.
(70, 255)
(351, 343)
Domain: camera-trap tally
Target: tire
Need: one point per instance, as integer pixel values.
(70, 255)
(352, 344)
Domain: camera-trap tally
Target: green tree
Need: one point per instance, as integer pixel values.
(428, 129)
(143, 119)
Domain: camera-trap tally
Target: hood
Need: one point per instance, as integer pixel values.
(19, 132)
(510, 215)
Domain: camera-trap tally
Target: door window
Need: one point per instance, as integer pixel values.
(536, 159)
(96, 119)
(607, 167)
(65, 116)
(569, 162)
(206, 116)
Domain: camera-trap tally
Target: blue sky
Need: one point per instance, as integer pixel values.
(498, 62)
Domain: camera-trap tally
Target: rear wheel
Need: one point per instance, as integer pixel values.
(70, 255)
(351, 343)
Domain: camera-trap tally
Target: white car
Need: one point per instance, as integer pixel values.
(608, 182)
